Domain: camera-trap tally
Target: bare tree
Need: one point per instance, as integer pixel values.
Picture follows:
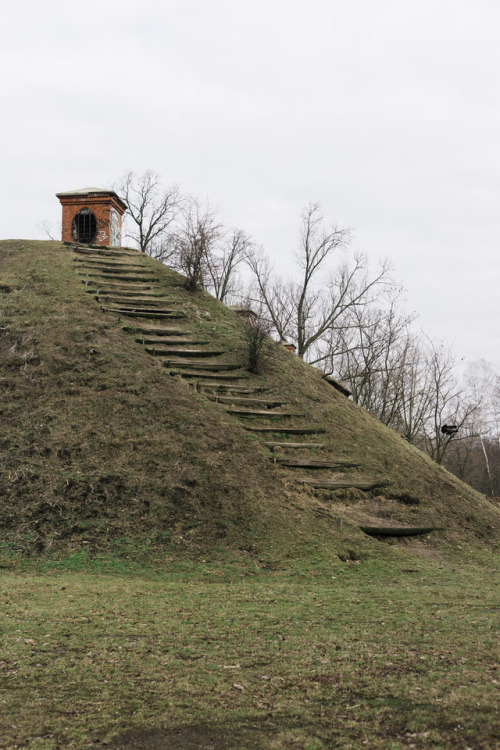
(206, 252)
(462, 457)
(52, 233)
(483, 380)
(258, 343)
(414, 398)
(450, 403)
(221, 264)
(152, 209)
(271, 293)
(194, 243)
(305, 311)
(369, 354)
(403, 378)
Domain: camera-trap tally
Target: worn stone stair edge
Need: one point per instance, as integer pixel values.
(289, 444)
(339, 484)
(399, 530)
(111, 285)
(183, 352)
(91, 245)
(173, 341)
(117, 278)
(237, 388)
(114, 260)
(135, 298)
(89, 255)
(137, 304)
(145, 312)
(103, 252)
(240, 400)
(103, 276)
(127, 289)
(116, 273)
(287, 430)
(263, 413)
(98, 262)
(159, 331)
(100, 257)
(151, 315)
(133, 307)
(123, 292)
(216, 377)
(202, 366)
(304, 463)
(115, 269)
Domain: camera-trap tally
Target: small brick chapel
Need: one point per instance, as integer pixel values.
(92, 216)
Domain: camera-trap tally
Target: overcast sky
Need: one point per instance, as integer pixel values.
(387, 112)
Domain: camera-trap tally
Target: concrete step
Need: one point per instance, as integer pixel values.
(340, 484)
(114, 284)
(151, 314)
(112, 277)
(171, 341)
(155, 330)
(88, 252)
(116, 270)
(131, 291)
(201, 366)
(107, 263)
(144, 309)
(209, 376)
(311, 463)
(108, 256)
(93, 256)
(276, 444)
(183, 352)
(136, 302)
(288, 430)
(262, 413)
(236, 389)
(398, 530)
(241, 401)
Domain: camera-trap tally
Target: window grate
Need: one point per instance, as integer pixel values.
(84, 227)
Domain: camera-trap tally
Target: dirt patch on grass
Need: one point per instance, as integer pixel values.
(198, 737)
(421, 549)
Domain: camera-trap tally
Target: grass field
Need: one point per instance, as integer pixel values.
(391, 653)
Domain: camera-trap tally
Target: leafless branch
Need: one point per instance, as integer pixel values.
(152, 209)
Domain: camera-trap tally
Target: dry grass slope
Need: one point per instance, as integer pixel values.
(102, 450)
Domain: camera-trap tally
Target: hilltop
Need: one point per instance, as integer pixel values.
(131, 432)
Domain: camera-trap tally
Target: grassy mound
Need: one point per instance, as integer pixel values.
(102, 450)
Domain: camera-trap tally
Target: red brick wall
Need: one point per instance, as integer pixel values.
(101, 207)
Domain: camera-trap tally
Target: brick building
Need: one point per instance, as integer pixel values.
(92, 216)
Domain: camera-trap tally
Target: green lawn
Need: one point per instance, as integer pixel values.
(373, 654)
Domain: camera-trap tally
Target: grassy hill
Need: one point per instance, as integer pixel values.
(115, 446)
(170, 575)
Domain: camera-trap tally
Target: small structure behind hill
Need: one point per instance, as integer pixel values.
(287, 345)
(338, 386)
(92, 216)
(244, 312)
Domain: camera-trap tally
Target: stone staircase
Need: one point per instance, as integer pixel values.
(309, 458)
(126, 285)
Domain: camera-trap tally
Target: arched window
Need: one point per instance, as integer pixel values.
(84, 226)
